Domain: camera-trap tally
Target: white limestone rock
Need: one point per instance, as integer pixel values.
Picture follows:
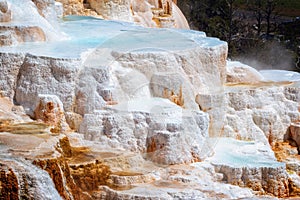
(280, 75)
(180, 182)
(185, 64)
(5, 12)
(240, 125)
(47, 9)
(91, 92)
(166, 83)
(149, 192)
(167, 133)
(118, 70)
(41, 184)
(44, 75)
(294, 184)
(59, 9)
(174, 143)
(12, 113)
(13, 35)
(270, 122)
(50, 110)
(74, 120)
(262, 112)
(39, 25)
(250, 164)
(292, 93)
(108, 76)
(141, 69)
(10, 65)
(130, 180)
(295, 133)
(259, 113)
(142, 13)
(238, 73)
(113, 10)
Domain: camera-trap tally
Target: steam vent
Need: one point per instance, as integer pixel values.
(120, 100)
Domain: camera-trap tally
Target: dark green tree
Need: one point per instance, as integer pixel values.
(265, 12)
(215, 17)
(270, 14)
(256, 6)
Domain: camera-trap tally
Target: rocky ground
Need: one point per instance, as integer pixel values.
(83, 170)
(126, 112)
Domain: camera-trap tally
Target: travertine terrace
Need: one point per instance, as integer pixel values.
(110, 109)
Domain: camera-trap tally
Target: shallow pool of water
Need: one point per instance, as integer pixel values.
(80, 34)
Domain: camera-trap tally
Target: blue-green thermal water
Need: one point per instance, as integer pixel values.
(80, 34)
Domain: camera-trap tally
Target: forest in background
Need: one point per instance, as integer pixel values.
(264, 34)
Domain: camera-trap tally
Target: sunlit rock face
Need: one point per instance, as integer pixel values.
(24, 180)
(10, 65)
(259, 113)
(28, 22)
(49, 109)
(260, 107)
(106, 77)
(47, 9)
(238, 73)
(81, 81)
(15, 35)
(114, 10)
(163, 130)
(5, 12)
(60, 167)
(250, 164)
(77, 7)
(164, 14)
(148, 105)
(295, 133)
(142, 13)
(46, 76)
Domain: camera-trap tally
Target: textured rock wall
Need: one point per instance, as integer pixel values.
(21, 180)
(266, 180)
(47, 9)
(77, 7)
(38, 26)
(9, 185)
(167, 138)
(10, 66)
(143, 12)
(259, 113)
(163, 133)
(197, 70)
(74, 181)
(5, 12)
(83, 87)
(20, 34)
(294, 134)
(43, 75)
(114, 9)
(49, 109)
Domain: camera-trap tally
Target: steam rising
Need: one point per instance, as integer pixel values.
(269, 55)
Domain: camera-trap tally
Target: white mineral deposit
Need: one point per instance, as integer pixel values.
(103, 107)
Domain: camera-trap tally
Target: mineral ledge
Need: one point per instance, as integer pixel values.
(100, 109)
